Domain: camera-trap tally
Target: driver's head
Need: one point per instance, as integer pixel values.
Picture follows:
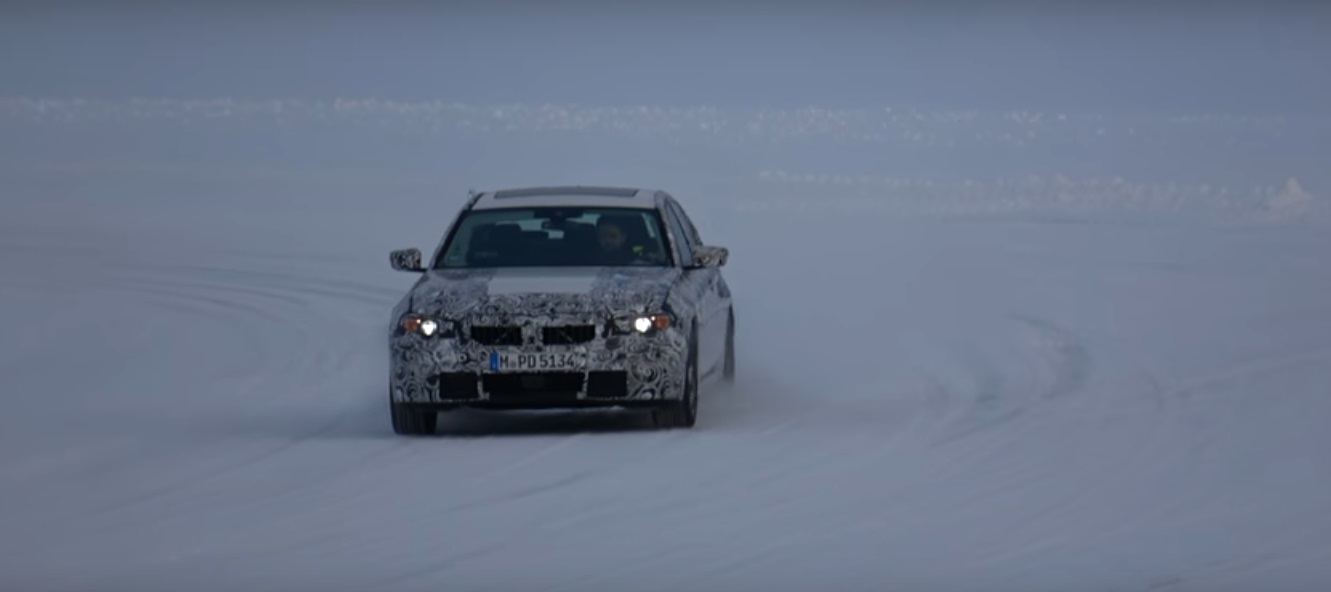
(610, 233)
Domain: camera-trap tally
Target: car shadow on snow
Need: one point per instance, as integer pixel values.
(369, 419)
(470, 423)
(373, 423)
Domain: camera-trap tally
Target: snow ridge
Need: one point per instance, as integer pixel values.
(1015, 128)
(1237, 167)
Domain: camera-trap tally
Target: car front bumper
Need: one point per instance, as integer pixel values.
(618, 370)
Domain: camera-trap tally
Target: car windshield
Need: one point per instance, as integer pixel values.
(556, 237)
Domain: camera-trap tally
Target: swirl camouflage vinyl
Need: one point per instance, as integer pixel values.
(654, 362)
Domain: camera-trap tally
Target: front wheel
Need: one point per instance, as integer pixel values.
(413, 422)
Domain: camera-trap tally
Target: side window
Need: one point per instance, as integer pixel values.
(688, 224)
(681, 237)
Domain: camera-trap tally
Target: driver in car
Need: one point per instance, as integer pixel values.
(614, 250)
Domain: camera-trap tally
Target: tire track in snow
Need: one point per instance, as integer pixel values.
(242, 307)
(247, 462)
(297, 281)
(1187, 399)
(1068, 359)
(1139, 460)
(1059, 366)
(926, 413)
(1192, 388)
(204, 497)
(781, 481)
(994, 403)
(300, 291)
(251, 297)
(279, 322)
(247, 321)
(437, 566)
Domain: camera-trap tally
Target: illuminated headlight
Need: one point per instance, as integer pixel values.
(644, 323)
(425, 326)
(428, 327)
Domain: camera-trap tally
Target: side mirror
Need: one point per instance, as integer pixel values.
(707, 256)
(406, 260)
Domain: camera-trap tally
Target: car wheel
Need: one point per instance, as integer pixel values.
(413, 422)
(728, 373)
(682, 413)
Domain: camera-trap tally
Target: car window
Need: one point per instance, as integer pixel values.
(555, 237)
(688, 224)
(681, 237)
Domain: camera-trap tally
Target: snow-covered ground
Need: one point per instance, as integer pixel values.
(1102, 379)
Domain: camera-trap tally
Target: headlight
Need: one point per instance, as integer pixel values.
(425, 326)
(644, 323)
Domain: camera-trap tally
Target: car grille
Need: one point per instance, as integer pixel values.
(608, 384)
(554, 335)
(567, 335)
(502, 335)
(600, 384)
(532, 383)
(458, 385)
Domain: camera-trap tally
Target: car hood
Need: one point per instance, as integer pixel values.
(503, 292)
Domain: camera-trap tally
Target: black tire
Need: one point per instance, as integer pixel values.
(728, 372)
(413, 422)
(683, 413)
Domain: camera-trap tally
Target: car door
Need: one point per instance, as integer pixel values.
(712, 300)
(721, 297)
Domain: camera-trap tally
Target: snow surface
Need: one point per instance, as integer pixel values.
(936, 392)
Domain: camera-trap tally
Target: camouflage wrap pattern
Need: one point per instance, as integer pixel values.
(606, 298)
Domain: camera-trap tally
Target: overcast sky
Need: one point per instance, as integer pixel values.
(1273, 56)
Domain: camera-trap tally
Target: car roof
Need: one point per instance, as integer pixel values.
(567, 195)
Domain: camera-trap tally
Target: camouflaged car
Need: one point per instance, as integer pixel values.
(562, 297)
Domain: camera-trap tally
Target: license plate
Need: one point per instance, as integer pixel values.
(507, 362)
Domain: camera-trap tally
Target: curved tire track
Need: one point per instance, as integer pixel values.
(1052, 352)
(270, 317)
